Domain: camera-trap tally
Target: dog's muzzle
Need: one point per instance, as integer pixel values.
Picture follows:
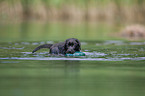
(70, 50)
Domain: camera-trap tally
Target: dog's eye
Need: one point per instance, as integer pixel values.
(70, 44)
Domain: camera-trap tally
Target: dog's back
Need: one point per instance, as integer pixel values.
(42, 46)
(70, 45)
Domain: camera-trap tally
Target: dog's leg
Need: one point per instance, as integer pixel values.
(54, 50)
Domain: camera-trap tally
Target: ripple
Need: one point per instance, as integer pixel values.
(137, 43)
(94, 54)
(11, 48)
(116, 42)
(84, 43)
(78, 59)
(25, 43)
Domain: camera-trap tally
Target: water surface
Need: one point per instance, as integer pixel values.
(95, 51)
(110, 68)
(69, 78)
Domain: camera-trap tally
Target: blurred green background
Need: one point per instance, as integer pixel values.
(74, 10)
(98, 24)
(40, 20)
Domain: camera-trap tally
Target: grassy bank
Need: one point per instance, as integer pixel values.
(78, 10)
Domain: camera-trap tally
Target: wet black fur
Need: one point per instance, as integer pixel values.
(69, 46)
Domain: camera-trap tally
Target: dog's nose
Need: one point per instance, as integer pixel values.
(70, 51)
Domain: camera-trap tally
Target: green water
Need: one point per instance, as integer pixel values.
(71, 78)
(57, 31)
(111, 67)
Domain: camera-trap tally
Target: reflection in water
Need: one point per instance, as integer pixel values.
(56, 31)
(108, 69)
(71, 78)
(72, 68)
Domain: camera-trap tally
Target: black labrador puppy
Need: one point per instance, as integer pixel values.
(69, 46)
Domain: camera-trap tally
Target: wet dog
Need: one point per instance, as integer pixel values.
(69, 46)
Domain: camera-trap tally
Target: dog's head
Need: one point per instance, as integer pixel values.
(72, 45)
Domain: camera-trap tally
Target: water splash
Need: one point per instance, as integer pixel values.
(73, 59)
(90, 56)
(103, 54)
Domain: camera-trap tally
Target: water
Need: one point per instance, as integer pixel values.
(95, 51)
(57, 31)
(110, 67)
(69, 78)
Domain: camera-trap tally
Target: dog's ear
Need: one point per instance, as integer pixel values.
(78, 47)
(65, 44)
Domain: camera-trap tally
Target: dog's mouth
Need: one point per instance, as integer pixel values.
(70, 51)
